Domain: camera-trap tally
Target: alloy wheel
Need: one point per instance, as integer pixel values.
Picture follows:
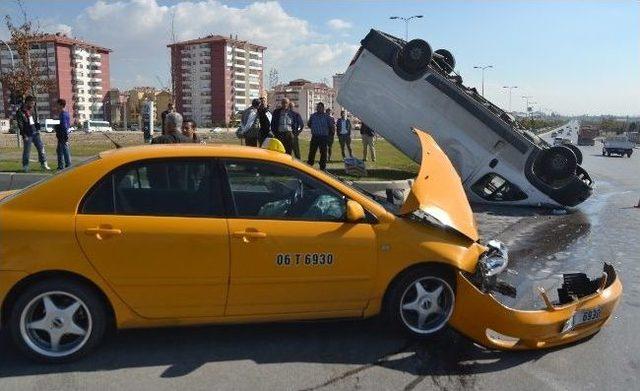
(427, 305)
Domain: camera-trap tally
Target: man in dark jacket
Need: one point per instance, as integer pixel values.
(264, 115)
(62, 135)
(298, 125)
(30, 132)
(368, 142)
(282, 125)
(172, 133)
(332, 134)
(163, 115)
(343, 129)
(321, 126)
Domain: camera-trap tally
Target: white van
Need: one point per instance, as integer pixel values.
(393, 86)
(50, 124)
(96, 126)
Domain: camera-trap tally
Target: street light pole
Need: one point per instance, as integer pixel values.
(406, 23)
(510, 88)
(483, 67)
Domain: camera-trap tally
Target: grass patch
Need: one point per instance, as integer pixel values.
(390, 164)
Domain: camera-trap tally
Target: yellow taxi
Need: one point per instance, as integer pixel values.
(173, 235)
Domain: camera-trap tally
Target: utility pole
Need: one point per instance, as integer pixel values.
(510, 88)
(483, 67)
(406, 23)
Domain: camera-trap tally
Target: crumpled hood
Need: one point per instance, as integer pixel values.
(438, 191)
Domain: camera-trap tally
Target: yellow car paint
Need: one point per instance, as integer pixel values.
(169, 271)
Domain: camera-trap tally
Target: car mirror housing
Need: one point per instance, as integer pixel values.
(355, 212)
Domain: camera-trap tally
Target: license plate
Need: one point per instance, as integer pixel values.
(586, 316)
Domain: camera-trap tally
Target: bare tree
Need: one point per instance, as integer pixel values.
(274, 78)
(25, 77)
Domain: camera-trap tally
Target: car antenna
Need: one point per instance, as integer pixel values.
(110, 139)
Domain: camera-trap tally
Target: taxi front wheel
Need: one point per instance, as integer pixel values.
(420, 302)
(57, 320)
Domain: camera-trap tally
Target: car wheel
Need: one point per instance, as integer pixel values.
(57, 320)
(603, 152)
(558, 162)
(576, 152)
(412, 61)
(421, 302)
(445, 60)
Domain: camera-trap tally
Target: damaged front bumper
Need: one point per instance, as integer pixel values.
(484, 319)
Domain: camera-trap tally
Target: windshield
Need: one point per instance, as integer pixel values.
(389, 206)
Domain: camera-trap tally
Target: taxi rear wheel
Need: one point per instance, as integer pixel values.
(57, 320)
(420, 302)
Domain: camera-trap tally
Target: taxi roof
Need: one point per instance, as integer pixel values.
(193, 150)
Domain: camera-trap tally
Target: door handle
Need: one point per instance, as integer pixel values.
(246, 235)
(102, 232)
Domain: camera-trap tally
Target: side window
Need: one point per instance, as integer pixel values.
(494, 187)
(158, 188)
(271, 191)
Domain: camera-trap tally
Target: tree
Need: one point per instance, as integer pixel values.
(24, 78)
(274, 78)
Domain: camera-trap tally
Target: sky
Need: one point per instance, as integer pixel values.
(573, 57)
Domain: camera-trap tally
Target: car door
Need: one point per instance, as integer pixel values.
(291, 249)
(155, 230)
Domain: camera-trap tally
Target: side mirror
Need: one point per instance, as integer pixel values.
(355, 212)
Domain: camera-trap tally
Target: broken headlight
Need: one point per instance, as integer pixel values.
(494, 260)
(490, 265)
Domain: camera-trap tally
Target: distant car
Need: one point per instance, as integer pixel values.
(554, 134)
(393, 85)
(617, 145)
(189, 234)
(562, 141)
(50, 124)
(96, 126)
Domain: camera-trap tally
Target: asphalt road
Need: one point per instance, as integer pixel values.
(363, 355)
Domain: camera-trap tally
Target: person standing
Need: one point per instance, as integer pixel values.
(163, 115)
(343, 129)
(62, 134)
(251, 124)
(298, 125)
(189, 131)
(282, 125)
(332, 134)
(30, 133)
(368, 142)
(172, 133)
(264, 114)
(321, 125)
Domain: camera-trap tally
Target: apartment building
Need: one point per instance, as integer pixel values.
(305, 94)
(215, 77)
(80, 71)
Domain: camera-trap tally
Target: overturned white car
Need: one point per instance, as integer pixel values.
(393, 85)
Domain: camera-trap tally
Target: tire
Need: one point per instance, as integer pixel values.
(447, 62)
(42, 306)
(603, 152)
(576, 151)
(411, 62)
(405, 307)
(558, 162)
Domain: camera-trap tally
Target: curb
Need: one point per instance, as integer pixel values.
(18, 180)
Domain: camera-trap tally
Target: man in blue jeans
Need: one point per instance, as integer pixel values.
(30, 132)
(321, 126)
(62, 134)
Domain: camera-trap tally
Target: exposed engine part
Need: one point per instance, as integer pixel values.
(577, 285)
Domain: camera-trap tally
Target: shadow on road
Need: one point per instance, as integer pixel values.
(363, 343)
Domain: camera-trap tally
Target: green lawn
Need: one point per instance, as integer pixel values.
(391, 164)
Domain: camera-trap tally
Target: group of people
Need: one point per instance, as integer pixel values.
(286, 124)
(29, 129)
(175, 130)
